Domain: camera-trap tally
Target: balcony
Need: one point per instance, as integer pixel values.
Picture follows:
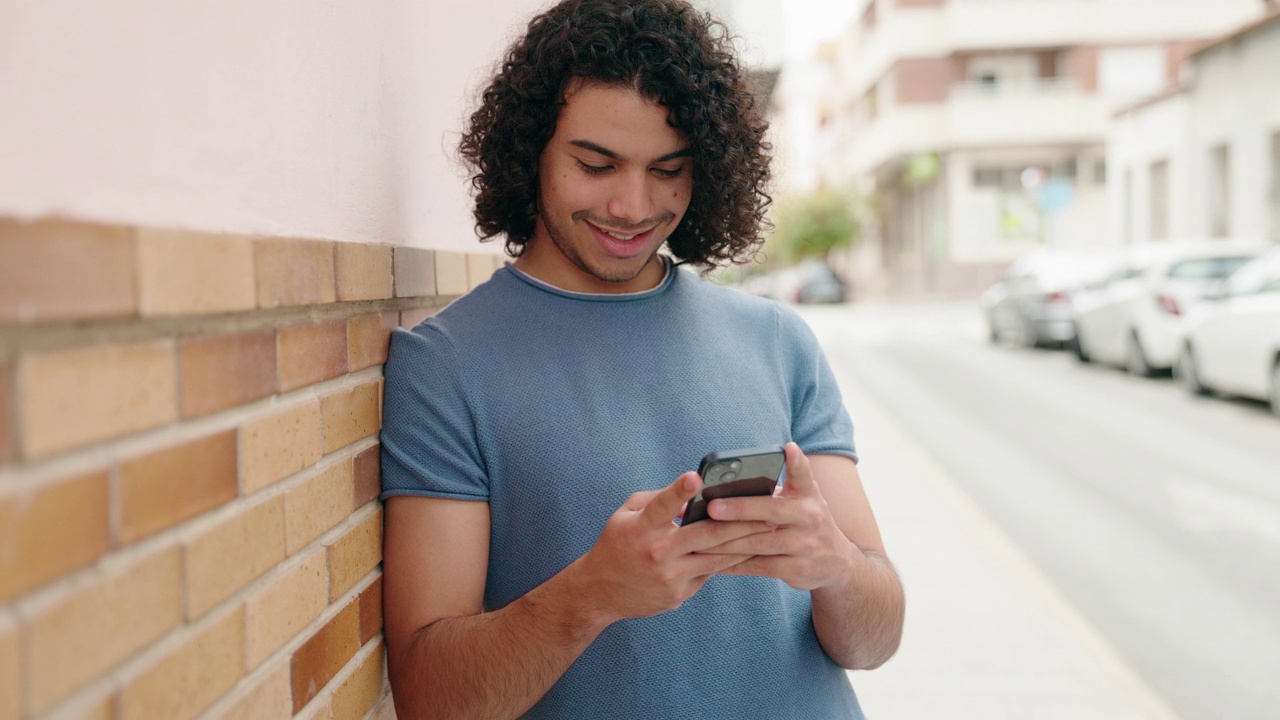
(1041, 112)
(975, 115)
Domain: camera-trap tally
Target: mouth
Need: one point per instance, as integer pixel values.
(620, 244)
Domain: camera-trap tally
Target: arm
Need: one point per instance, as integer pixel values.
(448, 658)
(826, 541)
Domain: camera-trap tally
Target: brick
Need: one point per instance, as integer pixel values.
(320, 658)
(274, 447)
(279, 611)
(10, 671)
(51, 531)
(363, 271)
(71, 398)
(267, 698)
(164, 488)
(233, 553)
(6, 408)
(190, 273)
(293, 272)
(451, 273)
(350, 415)
(368, 475)
(317, 504)
(353, 555)
(357, 695)
(191, 677)
(479, 269)
(368, 338)
(371, 611)
(226, 371)
(59, 270)
(312, 353)
(91, 630)
(410, 319)
(415, 272)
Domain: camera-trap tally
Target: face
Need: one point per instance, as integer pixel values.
(615, 182)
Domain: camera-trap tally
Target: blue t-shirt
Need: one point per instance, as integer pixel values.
(555, 406)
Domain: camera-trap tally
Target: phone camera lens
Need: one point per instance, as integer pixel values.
(728, 476)
(735, 466)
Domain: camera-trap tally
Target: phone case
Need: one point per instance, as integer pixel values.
(734, 473)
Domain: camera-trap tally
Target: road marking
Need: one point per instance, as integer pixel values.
(1202, 507)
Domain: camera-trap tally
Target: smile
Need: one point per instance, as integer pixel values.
(622, 245)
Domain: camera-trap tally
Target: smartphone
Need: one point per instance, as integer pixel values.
(733, 473)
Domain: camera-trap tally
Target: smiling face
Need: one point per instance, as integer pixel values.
(615, 182)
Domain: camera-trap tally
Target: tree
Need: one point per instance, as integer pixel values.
(815, 224)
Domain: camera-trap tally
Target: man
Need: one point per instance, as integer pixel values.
(533, 567)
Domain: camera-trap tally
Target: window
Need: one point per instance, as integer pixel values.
(1158, 194)
(1220, 191)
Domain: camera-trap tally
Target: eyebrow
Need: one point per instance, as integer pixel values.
(593, 147)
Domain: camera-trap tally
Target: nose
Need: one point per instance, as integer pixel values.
(631, 201)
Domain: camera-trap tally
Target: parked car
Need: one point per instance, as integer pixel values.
(1134, 319)
(1032, 301)
(811, 281)
(1232, 342)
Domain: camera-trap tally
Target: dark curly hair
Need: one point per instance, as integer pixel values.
(669, 53)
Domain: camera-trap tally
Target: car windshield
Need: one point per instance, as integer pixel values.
(1207, 268)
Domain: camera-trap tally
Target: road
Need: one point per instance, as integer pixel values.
(1155, 514)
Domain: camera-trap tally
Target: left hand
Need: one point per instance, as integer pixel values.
(806, 549)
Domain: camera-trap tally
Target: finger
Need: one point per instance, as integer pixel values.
(696, 537)
(757, 565)
(664, 505)
(763, 508)
(706, 565)
(800, 478)
(779, 542)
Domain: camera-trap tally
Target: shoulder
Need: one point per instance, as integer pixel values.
(729, 301)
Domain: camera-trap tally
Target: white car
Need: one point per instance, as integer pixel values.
(1032, 301)
(1134, 319)
(1232, 343)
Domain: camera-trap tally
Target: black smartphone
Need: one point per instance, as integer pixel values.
(733, 473)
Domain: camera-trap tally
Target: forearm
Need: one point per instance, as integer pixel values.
(496, 664)
(859, 620)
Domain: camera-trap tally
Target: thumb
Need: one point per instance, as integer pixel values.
(800, 480)
(667, 502)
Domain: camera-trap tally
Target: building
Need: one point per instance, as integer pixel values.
(979, 127)
(1203, 160)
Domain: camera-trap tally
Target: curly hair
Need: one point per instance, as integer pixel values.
(669, 53)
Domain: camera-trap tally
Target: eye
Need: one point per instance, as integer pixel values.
(663, 173)
(594, 169)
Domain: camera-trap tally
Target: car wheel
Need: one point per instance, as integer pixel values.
(1078, 346)
(1189, 374)
(1135, 361)
(1275, 388)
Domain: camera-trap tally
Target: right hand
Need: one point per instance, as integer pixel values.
(644, 564)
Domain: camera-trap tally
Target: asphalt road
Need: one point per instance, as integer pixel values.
(1156, 514)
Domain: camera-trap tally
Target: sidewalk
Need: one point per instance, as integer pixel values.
(986, 636)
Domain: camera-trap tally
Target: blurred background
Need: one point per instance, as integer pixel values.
(1037, 239)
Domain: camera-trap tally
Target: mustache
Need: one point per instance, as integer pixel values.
(622, 226)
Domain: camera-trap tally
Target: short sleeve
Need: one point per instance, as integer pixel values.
(820, 424)
(429, 445)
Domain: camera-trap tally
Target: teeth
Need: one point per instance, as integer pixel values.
(619, 236)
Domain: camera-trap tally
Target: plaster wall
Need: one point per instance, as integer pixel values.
(323, 119)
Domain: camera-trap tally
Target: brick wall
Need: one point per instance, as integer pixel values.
(189, 524)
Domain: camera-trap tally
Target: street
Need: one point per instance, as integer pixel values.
(1154, 515)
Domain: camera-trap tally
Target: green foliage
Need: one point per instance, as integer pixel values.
(813, 225)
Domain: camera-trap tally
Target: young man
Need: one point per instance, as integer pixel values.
(540, 432)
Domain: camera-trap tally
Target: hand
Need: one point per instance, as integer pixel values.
(644, 564)
(805, 549)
